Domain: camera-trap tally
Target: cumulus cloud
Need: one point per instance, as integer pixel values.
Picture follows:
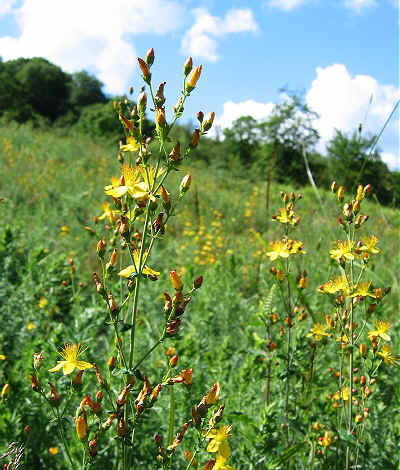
(6, 6)
(232, 111)
(200, 40)
(91, 34)
(359, 5)
(392, 160)
(344, 101)
(286, 5)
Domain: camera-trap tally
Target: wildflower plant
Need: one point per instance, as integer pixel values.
(362, 344)
(136, 215)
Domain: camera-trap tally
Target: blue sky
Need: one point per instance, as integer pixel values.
(338, 53)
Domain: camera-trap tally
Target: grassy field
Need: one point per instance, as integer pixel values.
(53, 185)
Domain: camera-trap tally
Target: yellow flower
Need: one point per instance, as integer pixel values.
(388, 356)
(30, 326)
(64, 230)
(146, 187)
(380, 332)
(217, 438)
(326, 440)
(107, 212)
(369, 245)
(343, 251)
(70, 354)
(335, 285)
(279, 250)
(2, 357)
(223, 455)
(131, 145)
(362, 289)
(295, 247)
(53, 450)
(42, 302)
(344, 394)
(318, 331)
(130, 178)
(133, 268)
(213, 395)
(286, 217)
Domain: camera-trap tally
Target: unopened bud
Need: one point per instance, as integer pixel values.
(142, 103)
(192, 79)
(208, 122)
(185, 183)
(188, 66)
(195, 139)
(175, 153)
(334, 186)
(150, 57)
(340, 193)
(176, 280)
(145, 70)
(101, 248)
(198, 282)
(159, 98)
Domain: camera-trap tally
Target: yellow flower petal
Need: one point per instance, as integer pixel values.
(126, 272)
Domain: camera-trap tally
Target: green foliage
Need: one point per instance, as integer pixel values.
(85, 90)
(352, 163)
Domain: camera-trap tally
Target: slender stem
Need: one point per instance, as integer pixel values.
(61, 431)
(171, 415)
(137, 287)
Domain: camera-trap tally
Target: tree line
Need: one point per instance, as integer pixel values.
(281, 148)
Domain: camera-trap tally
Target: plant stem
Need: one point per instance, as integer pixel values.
(61, 431)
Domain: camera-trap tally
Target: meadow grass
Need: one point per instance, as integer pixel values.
(52, 187)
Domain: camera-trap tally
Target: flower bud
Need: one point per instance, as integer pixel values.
(55, 397)
(363, 350)
(93, 447)
(36, 387)
(198, 282)
(159, 98)
(145, 70)
(178, 107)
(122, 427)
(101, 248)
(142, 103)
(192, 79)
(175, 153)
(209, 122)
(176, 280)
(334, 186)
(195, 139)
(185, 183)
(173, 361)
(37, 359)
(150, 57)
(81, 427)
(187, 67)
(340, 193)
(161, 123)
(5, 391)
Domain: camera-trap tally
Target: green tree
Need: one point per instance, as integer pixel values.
(351, 162)
(242, 139)
(286, 134)
(85, 89)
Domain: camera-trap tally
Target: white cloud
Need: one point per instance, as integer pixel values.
(344, 101)
(392, 160)
(90, 34)
(232, 111)
(286, 5)
(199, 41)
(6, 6)
(359, 5)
